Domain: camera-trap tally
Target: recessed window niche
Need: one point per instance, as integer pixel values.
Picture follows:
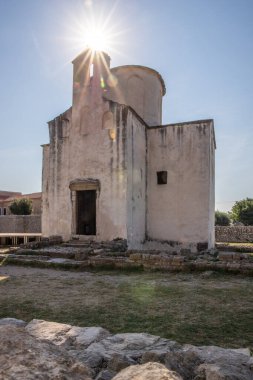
(161, 177)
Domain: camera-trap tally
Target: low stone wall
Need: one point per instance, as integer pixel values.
(73, 353)
(20, 224)
(235, 234)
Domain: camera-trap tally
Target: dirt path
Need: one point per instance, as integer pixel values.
(115, 277)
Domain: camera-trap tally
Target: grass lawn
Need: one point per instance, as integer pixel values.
(188, 308)
(241, 244)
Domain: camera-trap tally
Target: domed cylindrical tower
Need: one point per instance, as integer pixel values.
(140, 87)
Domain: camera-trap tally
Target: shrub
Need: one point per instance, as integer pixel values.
(222, 218)
(21, 206)
(242, 211)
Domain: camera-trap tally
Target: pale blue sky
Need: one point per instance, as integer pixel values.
(202, 48)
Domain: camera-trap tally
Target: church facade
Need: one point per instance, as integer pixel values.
(111, 170)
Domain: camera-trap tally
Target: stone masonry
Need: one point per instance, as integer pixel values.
(20, 224)
(235, 234)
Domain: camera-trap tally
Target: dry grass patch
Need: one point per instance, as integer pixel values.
(240, 247)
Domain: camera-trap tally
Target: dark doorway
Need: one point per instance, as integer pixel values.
(86, 212)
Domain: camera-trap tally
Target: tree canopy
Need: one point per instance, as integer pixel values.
(22, 206)
(242, 211)
(222, 218)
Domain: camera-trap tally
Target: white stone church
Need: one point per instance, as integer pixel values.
(111, 170)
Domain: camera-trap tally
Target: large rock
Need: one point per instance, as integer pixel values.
(210, 363)
(63, 334)
(221, 372)
(50, 331)
(105, 374)
(132, 345)
(12, 321)
(182, 362)
(119, 362)
(23, 357)
(148, 371)
(85, 336)
(93, 360)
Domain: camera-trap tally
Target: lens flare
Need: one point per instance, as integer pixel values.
(102, 83)
(97, 39)
(96, 27)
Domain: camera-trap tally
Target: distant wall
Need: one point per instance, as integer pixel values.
(20, 224)
(234, 234)
(36, 204)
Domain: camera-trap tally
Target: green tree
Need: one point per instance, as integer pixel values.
(22, 206)
(222, 218)
(242, 211)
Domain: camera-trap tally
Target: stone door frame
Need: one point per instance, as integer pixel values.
(82, 185)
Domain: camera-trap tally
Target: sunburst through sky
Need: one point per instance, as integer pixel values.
(98, 29)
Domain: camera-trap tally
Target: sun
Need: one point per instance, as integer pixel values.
(95, 28)
(97, 39)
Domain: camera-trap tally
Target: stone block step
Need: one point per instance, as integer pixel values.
(43, 261)
(46, 253)
(77, 244)
(117, 245)
(28, 257)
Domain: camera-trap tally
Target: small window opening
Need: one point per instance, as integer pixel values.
(0, 210)
(161, 177)
(4, 211)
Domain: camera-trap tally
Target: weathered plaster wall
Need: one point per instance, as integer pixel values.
(45, 190)
(56, 206)
(181, 210)
(20, 224)
(99, 153)
(212, 147)
(141, 88)
(234, 234)
(136, 180)
(89, 151)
